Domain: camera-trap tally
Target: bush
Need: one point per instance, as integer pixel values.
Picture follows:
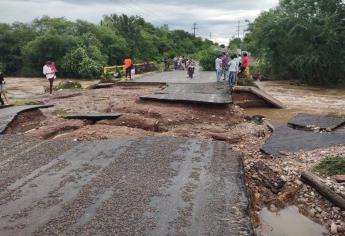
(81, 65)
(207, 58)
(259, 69)
(331, 165)
(69, 85)
(246, 81)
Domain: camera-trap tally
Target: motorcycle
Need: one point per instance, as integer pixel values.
(191, 71)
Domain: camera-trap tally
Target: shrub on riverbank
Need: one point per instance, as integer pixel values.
(331, 165)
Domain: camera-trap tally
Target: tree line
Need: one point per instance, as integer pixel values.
(301, 39)
(80, 49)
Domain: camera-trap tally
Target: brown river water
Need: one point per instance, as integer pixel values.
(297, 99)
(33, 88)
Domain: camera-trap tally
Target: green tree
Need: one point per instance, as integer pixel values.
(234, 44)
(86, 60)
(302, 39)
(80, 49)
(49, 46)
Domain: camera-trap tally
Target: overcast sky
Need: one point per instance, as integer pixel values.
(218, 17)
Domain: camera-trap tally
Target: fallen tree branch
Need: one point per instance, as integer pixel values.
(315, 182)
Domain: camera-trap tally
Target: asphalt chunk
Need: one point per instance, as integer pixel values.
(288, 140)
(323, 122)
(8, 114)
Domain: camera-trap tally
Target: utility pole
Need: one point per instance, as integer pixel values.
(210, 36)
(166, 26)
(194, 28)
(238, 29)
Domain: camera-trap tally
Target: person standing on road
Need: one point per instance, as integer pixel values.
(225, 66)
(128, 66)
(175, 62)
(245, 63)
(166, 64)
(238, 64)
(219, 67)
(233, 69)
(54, 70)
(2, 89)
(48, 71)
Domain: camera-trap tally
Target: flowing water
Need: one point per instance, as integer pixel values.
(297, 99)
(33, 88)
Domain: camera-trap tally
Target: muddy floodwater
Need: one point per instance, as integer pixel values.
(297, 99)
(289, 222)
(33, 88)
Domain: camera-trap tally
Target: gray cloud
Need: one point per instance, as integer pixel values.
(218, 16)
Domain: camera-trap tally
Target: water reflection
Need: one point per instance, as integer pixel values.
(289, 222)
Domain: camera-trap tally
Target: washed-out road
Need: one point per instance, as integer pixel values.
(142, 186)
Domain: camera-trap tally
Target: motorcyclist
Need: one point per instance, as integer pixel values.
(190, 68)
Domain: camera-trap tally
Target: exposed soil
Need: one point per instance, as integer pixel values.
(271, 181)
(139, 118)
(25, 122)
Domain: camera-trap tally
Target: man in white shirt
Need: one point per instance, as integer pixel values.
(50, 75)
(219, 68)
(233, 70)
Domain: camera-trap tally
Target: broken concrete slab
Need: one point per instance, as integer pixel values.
(288, 140)
(247, 96)
(190, 98)
(207, 93)
(101, 86)
(93, 116)
(303, 120)
(144, 186)
(201, 88)
(8, 114)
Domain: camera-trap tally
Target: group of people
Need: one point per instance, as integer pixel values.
(182, 63)
(231, 68)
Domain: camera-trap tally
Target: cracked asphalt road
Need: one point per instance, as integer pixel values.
(143, 186)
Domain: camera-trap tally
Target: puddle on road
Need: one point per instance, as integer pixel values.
(289, 222)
